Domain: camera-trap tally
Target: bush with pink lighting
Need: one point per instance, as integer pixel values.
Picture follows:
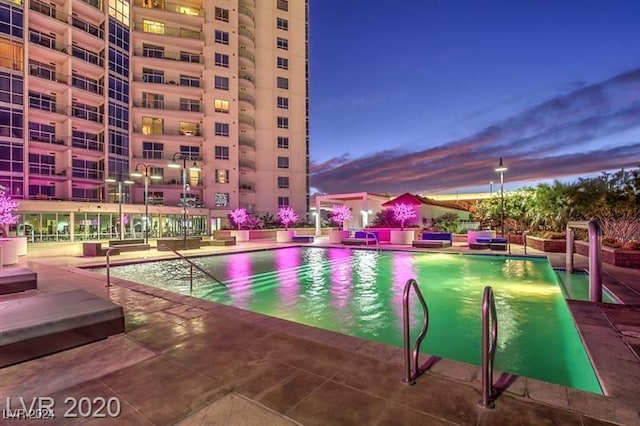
(403, 212)
(238, 217)
(341, 214)
(287, 216)
(7, 207)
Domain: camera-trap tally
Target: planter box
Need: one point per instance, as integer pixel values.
(336, 236)
(402, 237)
(515, 238)
(549, 246)
(241, 235)
(284, 236)
(612, 256)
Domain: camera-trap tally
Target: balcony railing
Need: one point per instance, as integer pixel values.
(47, 74)
(87, 84)
(48, 10)
(95, 3)
(88, 144)
(46, 41)
(87, 27)
(166, 6)
(45, 104)
(245, 119)
(176, 182)
(87, 114)
(44, 137)
(87, 56)
(247, 164)
(89, 174)
(193, 58)
(246, 76)
(244, 31)
(190, 107)
(246, 11)
(168, 31)
(168, 132)
(244, 53)
(246, 98)
(170, 81)
(45, 170)
(247, 142)
(247, 187)
(248, 3)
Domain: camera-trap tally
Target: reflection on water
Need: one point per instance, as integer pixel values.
(359, 292)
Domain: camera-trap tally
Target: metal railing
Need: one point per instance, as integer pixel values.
(109, 251)
(191, 266)
(595, 255)
(412, 368)
(489, 340)
(375, 237)
(524, 241)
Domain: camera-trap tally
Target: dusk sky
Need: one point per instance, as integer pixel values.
(426, 95)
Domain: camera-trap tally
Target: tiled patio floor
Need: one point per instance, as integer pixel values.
(189, 361)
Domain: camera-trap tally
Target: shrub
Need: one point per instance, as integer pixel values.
(551, 235)
(631, 245)
(611, 242)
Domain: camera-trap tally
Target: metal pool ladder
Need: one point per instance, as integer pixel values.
(412, 369)
(191, 266)
(375, 236)
(489, 340)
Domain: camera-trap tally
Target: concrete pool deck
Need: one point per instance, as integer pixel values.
(189, 361)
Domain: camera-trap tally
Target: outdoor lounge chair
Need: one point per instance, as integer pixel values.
(434, 240)
(362, 238)
(489, 243)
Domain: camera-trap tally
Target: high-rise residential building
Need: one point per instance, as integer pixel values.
(92, 91)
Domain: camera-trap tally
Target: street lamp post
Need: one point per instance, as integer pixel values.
(185, 187)
(120, 183)
(491, 189)
(501, 169)
(144, 171)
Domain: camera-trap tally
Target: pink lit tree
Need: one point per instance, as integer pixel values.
(403, 212)
(238, 217)
(287, 215)
(340, 214)
(7, 207)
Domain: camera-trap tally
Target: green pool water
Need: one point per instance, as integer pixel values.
(359, 293)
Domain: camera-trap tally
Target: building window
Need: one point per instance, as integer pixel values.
(152, 76)
(11, 54)
(188, 80)
(222, 176)
(222, 14)
(222, 37)
(282, 24)
(283, 162)
(221, 105)
(118, 143)
(222, 60)
(221, 199)
(152, 126)
(283, 5)
(192, 105)
(154, 27)
(283, 182)
(189, 151)
(222, 129)
(11, 88)
(221, 83)
(282, 83)
(283, 102)
(11, 157)
(12, 18)
(283, 122)
(282, 43)
(283, 201)
(283, 63)
(221, 152)
(283, 142)
(152, 150)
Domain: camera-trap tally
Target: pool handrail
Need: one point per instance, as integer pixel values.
(191, 266)
(412, 369)
(489, 341)
(108, 254)
(374, 235)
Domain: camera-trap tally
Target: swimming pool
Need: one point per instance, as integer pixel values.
(359, 292)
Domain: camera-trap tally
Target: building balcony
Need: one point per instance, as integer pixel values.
(170, 85)
(176, 12)
(161, 35)
(246, 37)
(168, 134)
(48, 170)
(246, 78)
(48, 17)
(246, 58)
(246, 16)
(195, 107)
(247, 165)
(88, 34)
(183, 62)
(246, 98)
(87, 174)
(48, 74)
(91, 9)
(42, 46)
(87, 56)
(246, 142)
(87, 85)
(246, 120)
(89, 145)
(247, 187)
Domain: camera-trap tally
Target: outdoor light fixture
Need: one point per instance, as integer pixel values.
(144, 171)
(185, 187)
(120, 182)
(501, 169)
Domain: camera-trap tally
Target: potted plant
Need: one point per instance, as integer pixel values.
(239, 217)
(340, 214)
(11, 247)
(401, 213)
(287, 216)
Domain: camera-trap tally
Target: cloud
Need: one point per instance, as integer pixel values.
(545, 141)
